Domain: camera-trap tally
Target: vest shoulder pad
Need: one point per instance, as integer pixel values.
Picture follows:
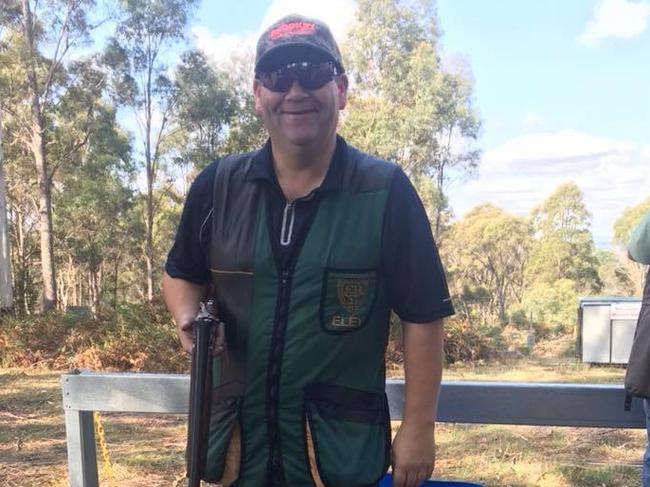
(364, 172)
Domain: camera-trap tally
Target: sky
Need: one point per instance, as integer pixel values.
(562, 89)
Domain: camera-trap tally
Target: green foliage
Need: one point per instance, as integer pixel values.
(10, 14)
(563, 212)
(402, 105)
(553, 305)
(395, 102)
(435, 203)
(616, 274)
(465, 343)
(133, 337)
(140, 81)
(245, 129)
(623, 228)
(203, 107)
(38, 40)
(92, 194)
(564, 247)
(629, 219)
(486, 254)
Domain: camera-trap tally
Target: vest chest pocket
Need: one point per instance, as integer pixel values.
(347, 435)
(347, 299)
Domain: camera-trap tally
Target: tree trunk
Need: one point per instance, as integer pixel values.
(74, 284)
(48, 300)
(151, 175)
(20, 278)
(6, 294)
(95, 286)
(37, 146)
(116, 281)
(149, 255)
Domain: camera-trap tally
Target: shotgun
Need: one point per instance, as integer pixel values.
(205, 325)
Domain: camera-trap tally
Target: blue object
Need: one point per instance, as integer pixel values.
(387, 481)
(645, 471)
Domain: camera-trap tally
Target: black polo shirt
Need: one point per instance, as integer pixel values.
(409, 258)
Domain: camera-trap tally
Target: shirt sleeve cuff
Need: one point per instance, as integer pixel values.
(447, 309)
(178, 273)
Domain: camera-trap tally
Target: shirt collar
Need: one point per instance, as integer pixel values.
(261, 168)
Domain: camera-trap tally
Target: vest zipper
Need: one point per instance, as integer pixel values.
(275, 469)
(276, 475)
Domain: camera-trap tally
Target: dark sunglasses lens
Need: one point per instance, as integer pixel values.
(316, 75)
(278, 81)
(309, 76)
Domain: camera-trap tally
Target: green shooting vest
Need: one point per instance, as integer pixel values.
(298, 396)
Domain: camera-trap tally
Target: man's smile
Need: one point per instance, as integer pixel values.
(303, 111)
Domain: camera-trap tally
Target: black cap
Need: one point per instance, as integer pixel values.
(296, 38)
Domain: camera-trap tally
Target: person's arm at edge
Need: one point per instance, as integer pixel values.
(413, 451)
(183, 300)
(638, 248)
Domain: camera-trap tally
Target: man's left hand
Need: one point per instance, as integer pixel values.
(413, 454)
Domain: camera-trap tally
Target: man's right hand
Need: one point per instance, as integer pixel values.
(183, 299)
(185, 334)
(217, 341)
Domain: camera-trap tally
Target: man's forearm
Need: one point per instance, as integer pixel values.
(423, 357)
(183, 299)
(414, 450)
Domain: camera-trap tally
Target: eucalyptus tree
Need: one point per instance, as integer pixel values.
(146, 31)
(486, 253)
(22, 212)
(246, 131)
(6, 291)
(203, 108)
(564, 246)
(38, 39)
(405, 105)
(93, 209)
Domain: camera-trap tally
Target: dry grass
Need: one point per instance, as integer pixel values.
(537, 370)
(148, 450)
(539, 456)
(143, 450)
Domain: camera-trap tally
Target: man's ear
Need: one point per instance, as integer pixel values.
(342, 87)
(257, 89)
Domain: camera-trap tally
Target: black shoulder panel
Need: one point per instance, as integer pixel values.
(233, 219)
(364, 172)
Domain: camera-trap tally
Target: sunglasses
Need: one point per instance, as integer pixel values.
(310, 76)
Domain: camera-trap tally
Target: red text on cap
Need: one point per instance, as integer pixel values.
(292, 28)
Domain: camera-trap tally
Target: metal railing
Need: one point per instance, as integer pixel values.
(515, 403)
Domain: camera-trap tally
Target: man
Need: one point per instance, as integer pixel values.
(308, 245)
(637, 376)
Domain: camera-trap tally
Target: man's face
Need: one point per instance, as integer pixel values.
(300, 116)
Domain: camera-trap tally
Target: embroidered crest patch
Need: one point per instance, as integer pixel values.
(351, 293)
(347, 300)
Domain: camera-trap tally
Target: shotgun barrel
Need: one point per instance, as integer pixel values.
(200, 379)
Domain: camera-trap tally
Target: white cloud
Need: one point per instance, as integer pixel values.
(615, 18)
(522, 172)
(645, 153)
(221, 49)
(532, 120)
(541, 150)
(337, 14)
